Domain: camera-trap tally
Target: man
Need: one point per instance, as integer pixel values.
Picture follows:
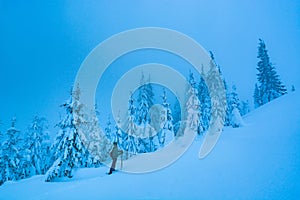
(114, 153)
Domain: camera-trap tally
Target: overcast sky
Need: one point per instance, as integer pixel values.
(43, 43)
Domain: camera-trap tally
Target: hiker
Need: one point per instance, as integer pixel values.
(114, 153)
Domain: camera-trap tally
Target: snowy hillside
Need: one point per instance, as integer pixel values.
(258, 161)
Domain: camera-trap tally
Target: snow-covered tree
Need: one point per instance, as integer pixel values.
(108, 130)
(233, 102)
(176, 114)
(191, 80)
(70, 152)
(98, 145)
(217, 98)
(10, 155)
(270, 87)
(130, 125)
(168, 124)
(144, 101)
(46, 152)
(236, 118)
(193, 111)
(213, 73)
(193, 118)
(245, 108)
(205, 104)
(149, 91)
(130, 141)
(143, 108)
(169, 121)
(34, 142)
(229, 105)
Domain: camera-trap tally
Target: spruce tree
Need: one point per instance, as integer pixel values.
(34, 142)
(235, 109)
(233, 106)
(193, 112)
(70, 152)
(213, 73)
(131, 128)
(143, 108)
(149, 92)
(193, 107)
(270, 86)
(98, 144)
(205, 106)
(10, 162)
(108, 130)
(169, 121)
(144, 101)
(218, 100)
(176, 115)
(244, 107)
(257, 97)
(168, 124)
(236, 118)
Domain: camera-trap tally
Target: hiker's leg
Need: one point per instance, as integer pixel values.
(113, 164)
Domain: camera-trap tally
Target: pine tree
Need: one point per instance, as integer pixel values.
(257, 97)
(235, 98)
(118, 131)
(46, 151)
(213, 73)
(236, 118)
(98, 145)
(169, 121)
(244, 107)
(108, 130)
(34, 142)
(70, 152)
(193, 112)
(168, 125)
(205, 104)
(176, 114)
(144, 101)
(191, 80)
(193, 107)
(131, 128)
(11, 157)
(270, 86)
(229, 105)
(149, 92)
(233, 106)
(218, 100)
(143, 117)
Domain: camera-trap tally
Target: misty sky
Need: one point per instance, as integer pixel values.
(43, 43)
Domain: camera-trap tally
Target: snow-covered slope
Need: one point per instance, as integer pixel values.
(258, 161)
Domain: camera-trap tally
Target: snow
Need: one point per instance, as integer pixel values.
(260, 160)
